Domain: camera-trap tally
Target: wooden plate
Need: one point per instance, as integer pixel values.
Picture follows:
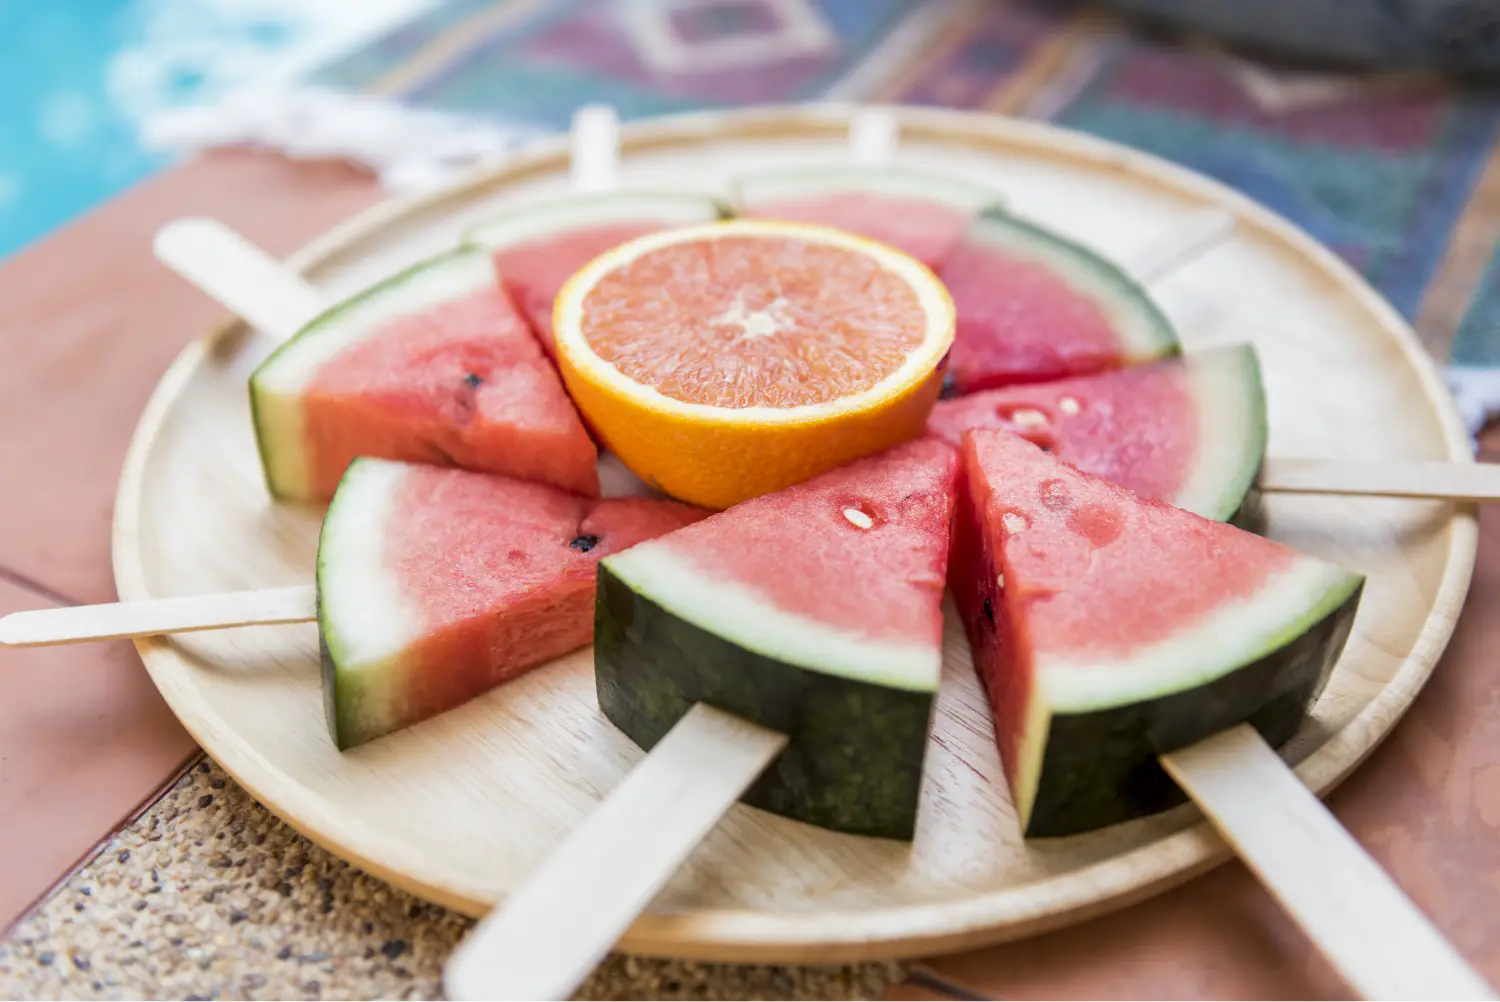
(460, 808)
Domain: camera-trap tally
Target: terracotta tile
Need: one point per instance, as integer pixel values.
(89, 321)
(1426, 804)
(84, 740)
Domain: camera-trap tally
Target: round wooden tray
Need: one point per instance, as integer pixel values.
(460, 808)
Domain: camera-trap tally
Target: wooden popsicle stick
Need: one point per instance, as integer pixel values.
(255, 286)
(594, 145)
(1436, 480)
(542, 942)
(181, 614)
(1351, 909)
(874, 135)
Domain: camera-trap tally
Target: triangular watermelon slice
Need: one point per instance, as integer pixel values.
(538, 247)
(816, 611)
(1033, 306)
(920, 212)
(432, 365)
(436, 585)
(1190, 431)
(1108, 628)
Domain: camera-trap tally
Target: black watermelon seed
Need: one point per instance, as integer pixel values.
(584, 544)
(474, 380)
(989, 612)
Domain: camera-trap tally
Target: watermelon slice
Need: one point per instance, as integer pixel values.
(921, 213)
(432, 365)
(537, 248)
(816, 611)
(1190, 431)
(436, 585)
(1108, 628)
(1033, 306)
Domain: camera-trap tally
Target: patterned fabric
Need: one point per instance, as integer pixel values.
(1399, 172)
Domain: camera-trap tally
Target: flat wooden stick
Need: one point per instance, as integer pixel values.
(594, 143)
(874, 135)
(544, 940)
(184, 614)
(1372, 934)
(253, 285)
(1437, 480)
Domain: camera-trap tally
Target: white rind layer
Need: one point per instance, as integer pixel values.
(1235, 634)
(366, 621)
(1230, 404)
(597, 209)
(1145, 332)
(737, 614)
(277, 386)
(773, 186)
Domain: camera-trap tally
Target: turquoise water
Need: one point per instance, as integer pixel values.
(81, 79)
(64, 146)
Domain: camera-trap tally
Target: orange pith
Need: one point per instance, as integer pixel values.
(753, 321)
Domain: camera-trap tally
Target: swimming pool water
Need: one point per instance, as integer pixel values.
(63, 146)
(80, 77)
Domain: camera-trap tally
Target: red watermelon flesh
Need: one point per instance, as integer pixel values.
(536, 270)
(434, 366)
(1078, 596)
(483, 577)
(538, 246)
(1032, 307)
(815, 611)
(1190, 431)
(856, 553)
(925, 229)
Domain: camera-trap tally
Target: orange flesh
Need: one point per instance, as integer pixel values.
(749, 321)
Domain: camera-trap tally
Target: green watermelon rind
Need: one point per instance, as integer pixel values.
(746, 621)
(1228, 393)
(561, 213)
(275, 407)
(356, 710)
(854, 758)
(1100, 766)
(1148, 335)
(1285, 607)
(759, 187)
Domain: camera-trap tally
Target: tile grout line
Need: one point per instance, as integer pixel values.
(925, 976)
(36, 587)
(87, 856)
(26, 583)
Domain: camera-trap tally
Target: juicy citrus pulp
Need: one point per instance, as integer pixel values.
(728, 359)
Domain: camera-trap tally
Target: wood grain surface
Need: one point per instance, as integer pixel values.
(511, 772)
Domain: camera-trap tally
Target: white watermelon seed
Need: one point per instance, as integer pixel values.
(858, 518)
(1028, 417)
(1000, 580)
(1014, 522)
(1068, 405)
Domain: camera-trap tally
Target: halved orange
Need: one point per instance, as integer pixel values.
(730, 359)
